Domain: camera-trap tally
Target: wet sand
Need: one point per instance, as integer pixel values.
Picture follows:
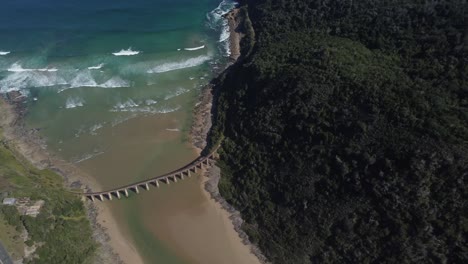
(205, 218)
(194, 225)
(115, 247)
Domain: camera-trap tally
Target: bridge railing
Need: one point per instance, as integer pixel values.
(199, 162)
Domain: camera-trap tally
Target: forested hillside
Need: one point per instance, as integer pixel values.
(345, 131)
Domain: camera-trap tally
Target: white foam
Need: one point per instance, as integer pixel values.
(88, 156)
(177, 92)
(196, 48)
(114, 82)
(3, 53)
(25, 79)
(150, 102)
(145, 109)
(95, 128)
(125, 105)
(171, 66)
(18, 68)
(167, 110)
(97, 67)
(218, 23)
(126, 52)
(73, 102)
(225, 33)
(83, 79)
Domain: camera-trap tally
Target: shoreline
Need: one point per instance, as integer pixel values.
(199, 134)
(28, 145)
(114, 246)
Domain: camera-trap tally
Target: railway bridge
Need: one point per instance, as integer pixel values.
(174, 176)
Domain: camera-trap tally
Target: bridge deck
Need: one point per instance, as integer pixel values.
(187, 168)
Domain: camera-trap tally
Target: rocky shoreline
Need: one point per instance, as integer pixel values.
(199, 133)
(32, 147)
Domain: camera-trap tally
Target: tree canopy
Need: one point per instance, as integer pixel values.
(346, 131)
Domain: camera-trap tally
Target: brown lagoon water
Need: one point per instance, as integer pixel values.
(112, 85)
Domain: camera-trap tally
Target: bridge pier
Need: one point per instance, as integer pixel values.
(155, 183)
(201, 163)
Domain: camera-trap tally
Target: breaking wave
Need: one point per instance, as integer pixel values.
(171, 66)
(133, 107)
(150, 102)
(85, 79)
(196, 48)
(178, 92)
(73, 102)
(3, 53)
(26, 79)
(21, 78)
(218, 23)
(114, 82)
(126, 52)
(18, 68)
(97, 67)
(128, 104)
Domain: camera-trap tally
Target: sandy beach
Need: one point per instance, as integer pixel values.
(199, 133)
(114, 246)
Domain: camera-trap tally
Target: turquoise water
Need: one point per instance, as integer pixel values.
(85, 65)
(111, 85)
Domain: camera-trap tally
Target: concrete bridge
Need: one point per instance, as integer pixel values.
(174, 176)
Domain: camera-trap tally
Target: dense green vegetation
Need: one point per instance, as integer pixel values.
(61, 230)
(346, 131)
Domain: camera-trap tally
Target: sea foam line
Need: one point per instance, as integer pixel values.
(196, 48)
(97, 67)
(18, 68)
(3, 53)
(126, 52)
(73, 102)
(89, 156)
(171, 66)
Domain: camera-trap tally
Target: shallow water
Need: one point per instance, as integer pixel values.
(111, 85)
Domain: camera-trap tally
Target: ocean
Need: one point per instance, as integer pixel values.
(84, 65)
(111, 85)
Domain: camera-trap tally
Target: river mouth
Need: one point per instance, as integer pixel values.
(116, 99)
